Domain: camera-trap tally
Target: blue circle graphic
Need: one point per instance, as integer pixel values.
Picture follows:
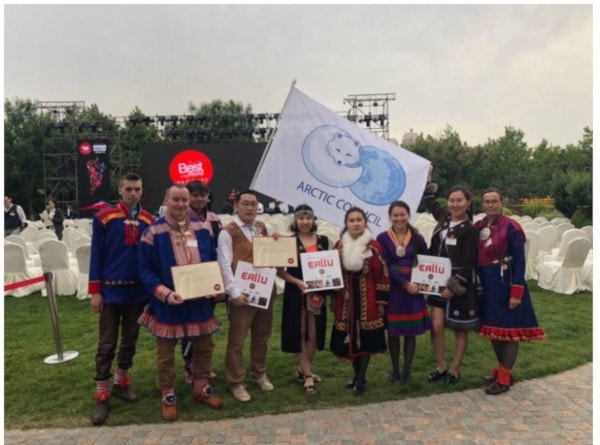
(383, 179)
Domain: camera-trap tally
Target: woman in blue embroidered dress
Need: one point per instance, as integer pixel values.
(407, 313)
(506, 310)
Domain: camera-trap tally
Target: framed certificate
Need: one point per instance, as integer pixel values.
(270, 252)
(431, 273)
(321, 270)
(198, 280)
(256, 282)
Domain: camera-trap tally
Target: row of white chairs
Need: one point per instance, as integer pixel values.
(69, 275)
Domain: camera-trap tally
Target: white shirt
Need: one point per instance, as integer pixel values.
(225, 255)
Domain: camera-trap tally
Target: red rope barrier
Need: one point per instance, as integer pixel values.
(12, 286)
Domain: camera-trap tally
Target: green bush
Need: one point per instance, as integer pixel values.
(534, 210)
(580, 219)
(551, 214)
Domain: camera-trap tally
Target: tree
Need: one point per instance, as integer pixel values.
(218, 121)
(507, 163)
(453, 161)
(572, 185)
(23, 160)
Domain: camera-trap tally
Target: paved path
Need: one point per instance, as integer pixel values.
(553, 410)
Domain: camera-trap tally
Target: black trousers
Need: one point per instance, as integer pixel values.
(111, 319)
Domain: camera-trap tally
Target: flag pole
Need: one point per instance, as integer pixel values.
(271, 136)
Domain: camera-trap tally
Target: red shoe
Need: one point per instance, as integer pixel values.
(169, 407)
(210, 400)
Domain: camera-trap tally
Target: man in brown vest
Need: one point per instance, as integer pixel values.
(235, 244)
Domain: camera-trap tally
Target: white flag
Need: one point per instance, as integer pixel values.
(330, 163)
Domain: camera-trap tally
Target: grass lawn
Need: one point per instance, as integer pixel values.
(37, 395)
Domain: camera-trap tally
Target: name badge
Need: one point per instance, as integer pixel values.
(488, 243)
(192, 243)
(451, 241)
(367, 254)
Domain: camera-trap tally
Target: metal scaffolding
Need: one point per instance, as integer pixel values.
(371, 111)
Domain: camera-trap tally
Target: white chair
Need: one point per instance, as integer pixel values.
(67, 232)
(562, 228)
(83, 254)
(564, 277)
(587, 272)
(558, 253)
(17, 270)
(532, 244)
(540, 219)
(80, 241)
(531, 225)
(589, 233)
(547, 239)
(33, 259)
(29, 233)
(55, 259)
(43, 236)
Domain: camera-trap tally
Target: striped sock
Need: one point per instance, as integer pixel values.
(120, 377)
(102, 390)
(504, 376)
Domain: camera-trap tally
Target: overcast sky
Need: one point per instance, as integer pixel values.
(475, 68)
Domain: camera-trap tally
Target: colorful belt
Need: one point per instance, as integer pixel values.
(119, 283)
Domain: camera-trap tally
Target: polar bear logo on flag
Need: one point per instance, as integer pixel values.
(335, 158)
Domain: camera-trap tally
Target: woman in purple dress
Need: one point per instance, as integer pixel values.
(407, 313)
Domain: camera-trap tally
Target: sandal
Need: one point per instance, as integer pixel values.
(435, 375)
(300, 377)
(309, 384)
(451, 379)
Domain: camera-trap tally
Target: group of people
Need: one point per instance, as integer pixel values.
(15, 219)
(131, 285)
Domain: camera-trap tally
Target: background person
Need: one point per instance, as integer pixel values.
(359, 308)
(506, 310)
(71, 212)
(57, 217)
(455, 238)
(117, 293)
(14, 217)
(406, 313)
(173, 240)
(303, 325)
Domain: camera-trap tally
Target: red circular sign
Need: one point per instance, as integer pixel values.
(191, 165)
(85, 148)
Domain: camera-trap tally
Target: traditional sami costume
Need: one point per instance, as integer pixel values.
(407, 314)
(164, 245)
(358, 329)
(458, 242)
(501, 263)
(114, 255)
